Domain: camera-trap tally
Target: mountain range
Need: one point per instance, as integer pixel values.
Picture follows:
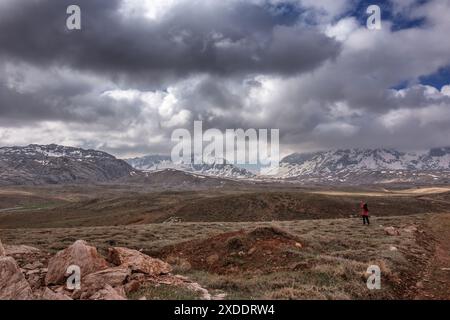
(55, 164)
(218, 168)
(367, 166)
(336, 166)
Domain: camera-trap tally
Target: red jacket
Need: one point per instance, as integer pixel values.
(364, 211)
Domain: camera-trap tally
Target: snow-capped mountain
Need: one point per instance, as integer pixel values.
(217, 168)
(49, 164)
(151, 163)
(372, 165)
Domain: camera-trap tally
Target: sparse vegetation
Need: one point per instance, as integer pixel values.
(165, 292)
(298, 259)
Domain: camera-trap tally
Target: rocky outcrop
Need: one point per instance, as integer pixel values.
(95, 282)
(13, 285)
(137, 261)
(34, 274)
(79, 254)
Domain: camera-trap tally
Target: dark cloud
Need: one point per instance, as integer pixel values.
(125, 81)
(221, 39)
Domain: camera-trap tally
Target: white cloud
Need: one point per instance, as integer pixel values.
(342, 29)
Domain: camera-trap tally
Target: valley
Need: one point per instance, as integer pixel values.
(222, 237)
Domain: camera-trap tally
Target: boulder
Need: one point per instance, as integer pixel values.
(135, 282)
(2, 250)
(79, 254)
(137, 261)
(94, 282)
(116, 276)
(13, 285)
(108, 293)
(391, 231)
(49, 294)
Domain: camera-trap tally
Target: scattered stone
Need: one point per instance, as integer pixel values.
(13, 285)
(298, 245)
(391, 231)
(137, 261)
(173, 220)
(219, 296)
(210, 260)
(188, 284)
(392, 248)
(80, 254)
(410, 229)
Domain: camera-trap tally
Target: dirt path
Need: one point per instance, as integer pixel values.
(394, 193)
(436, 281)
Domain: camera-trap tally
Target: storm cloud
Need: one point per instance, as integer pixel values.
(140, 69)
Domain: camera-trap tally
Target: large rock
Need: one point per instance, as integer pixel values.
(108, 293)
(116, 276)
(79, 254)
(13, 285)
(51, 295)
(2, 250)
(94, 282)
(137, 261)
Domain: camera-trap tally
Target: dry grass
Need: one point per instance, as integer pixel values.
(88, 206)
(332, 266)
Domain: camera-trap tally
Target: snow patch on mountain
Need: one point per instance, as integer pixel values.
(351, 161)
(212, 167)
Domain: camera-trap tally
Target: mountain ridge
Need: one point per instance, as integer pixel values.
(53, 164)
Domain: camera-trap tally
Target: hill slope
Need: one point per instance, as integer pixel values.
(53, 164)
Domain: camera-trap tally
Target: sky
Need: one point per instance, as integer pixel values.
(139, 69)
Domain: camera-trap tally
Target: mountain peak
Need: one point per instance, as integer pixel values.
(49, 164)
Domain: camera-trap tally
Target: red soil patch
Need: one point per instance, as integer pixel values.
(266, 249)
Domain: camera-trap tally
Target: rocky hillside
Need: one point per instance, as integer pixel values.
(53, 164)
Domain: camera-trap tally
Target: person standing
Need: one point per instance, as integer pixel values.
(365, 213)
